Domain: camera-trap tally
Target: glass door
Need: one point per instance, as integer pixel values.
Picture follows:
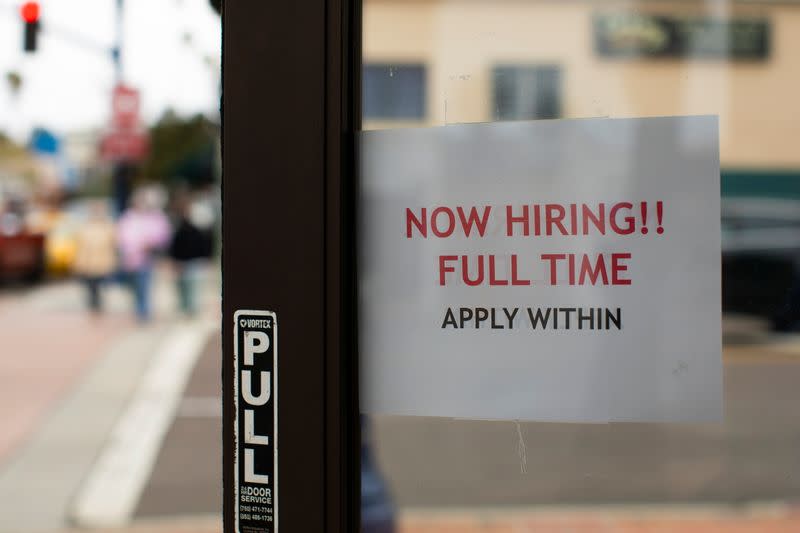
(525, 158)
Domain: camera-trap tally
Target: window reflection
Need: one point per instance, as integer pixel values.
(526, 92)
(394, 91)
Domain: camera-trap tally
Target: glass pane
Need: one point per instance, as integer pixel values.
(526, 92)
(433, 63)
(394, 91)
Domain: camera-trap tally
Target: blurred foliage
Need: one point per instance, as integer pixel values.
(14, 80)
(7, 146)
(15, 161)
(96, 185)
(182, 150)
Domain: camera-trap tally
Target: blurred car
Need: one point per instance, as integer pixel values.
(61, 245)
(21, 250)
(760, 254)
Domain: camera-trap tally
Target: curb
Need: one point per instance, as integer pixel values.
(750, 518)
(112, 489)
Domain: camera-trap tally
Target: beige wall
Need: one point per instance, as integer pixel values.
(461, 40)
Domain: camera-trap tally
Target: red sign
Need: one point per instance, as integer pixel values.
(125, 140)
(128, 145)
(125, 107)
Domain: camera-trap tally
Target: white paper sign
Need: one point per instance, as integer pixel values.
(564, 270)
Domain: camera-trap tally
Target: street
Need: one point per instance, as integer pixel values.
(80, 396)
(184, 483)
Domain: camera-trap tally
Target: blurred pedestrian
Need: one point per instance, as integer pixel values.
(96, 255)
(142, 232)
(191, 244)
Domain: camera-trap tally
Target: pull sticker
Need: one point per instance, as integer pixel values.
(255, 364)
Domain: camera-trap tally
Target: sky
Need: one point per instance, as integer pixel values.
(171, 53)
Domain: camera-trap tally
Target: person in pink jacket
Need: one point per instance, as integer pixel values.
(142, 231)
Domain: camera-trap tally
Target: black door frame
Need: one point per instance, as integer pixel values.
(290, 111)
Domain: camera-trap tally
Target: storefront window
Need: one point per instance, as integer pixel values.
(525, 93)
(394, 91)
(491, 61)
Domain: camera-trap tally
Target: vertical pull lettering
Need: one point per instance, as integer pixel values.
(254, 342)
(250, 436)
(247, 388)
(250, 475)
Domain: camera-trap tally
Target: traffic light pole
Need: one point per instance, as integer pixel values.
(116, 53)
(290, 109)
(121, 172)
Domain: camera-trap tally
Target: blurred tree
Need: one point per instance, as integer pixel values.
(14, 80)
(8, 147)
(181, 150)
(16, 163)
(217, 4)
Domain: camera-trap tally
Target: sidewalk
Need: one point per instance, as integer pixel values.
(67, 378)
(47, 346)
(200, 524)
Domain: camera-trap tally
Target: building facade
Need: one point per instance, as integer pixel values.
(436, 62)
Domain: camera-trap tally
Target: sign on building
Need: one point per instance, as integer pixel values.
(632, 35)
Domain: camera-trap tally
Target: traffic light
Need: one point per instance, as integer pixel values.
(30, 16)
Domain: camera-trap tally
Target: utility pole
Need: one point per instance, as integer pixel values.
(122, 171)
(117, 51)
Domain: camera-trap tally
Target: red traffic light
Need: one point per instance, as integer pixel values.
(30, 12)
